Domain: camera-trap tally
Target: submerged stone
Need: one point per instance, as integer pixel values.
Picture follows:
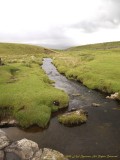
(12, 156)
(4, 141)
(1, 155)
(96, 105)
(76, 94)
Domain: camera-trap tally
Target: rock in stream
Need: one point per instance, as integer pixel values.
(25, 149)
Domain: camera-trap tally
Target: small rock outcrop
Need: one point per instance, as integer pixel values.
(4, 141)
(25, 149)
(114, 96)
(8, 123)
(73, 117)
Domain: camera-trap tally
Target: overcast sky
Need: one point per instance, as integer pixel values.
(59, 23)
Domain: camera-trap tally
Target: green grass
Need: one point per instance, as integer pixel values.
(72, 118)
(26, 93)
(96, 66)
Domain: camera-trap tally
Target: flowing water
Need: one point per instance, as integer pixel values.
(100, 136)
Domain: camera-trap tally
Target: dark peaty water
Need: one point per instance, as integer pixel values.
(100, 136)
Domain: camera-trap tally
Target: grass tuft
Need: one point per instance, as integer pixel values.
(72, 118)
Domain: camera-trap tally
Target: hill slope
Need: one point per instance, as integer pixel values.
(26, 93)
(96, 66)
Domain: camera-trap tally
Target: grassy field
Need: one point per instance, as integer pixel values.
(26, 93)
(96, 66)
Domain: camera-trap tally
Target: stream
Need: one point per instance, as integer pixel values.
(100, 136)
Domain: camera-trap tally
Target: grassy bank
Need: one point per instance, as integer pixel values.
(26, 93)
(96, 66)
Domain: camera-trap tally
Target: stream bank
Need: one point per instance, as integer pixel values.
(99, 136)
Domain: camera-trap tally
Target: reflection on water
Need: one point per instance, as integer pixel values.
(99, 136)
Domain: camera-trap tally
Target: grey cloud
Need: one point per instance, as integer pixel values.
(115, 1)
(109, 17)
(93, 26)
(115, 9)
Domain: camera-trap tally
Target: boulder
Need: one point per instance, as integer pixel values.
(24, 148)
(4, 141)
(49, 154)
(73, 117)
(1, 155)
(12, 156)
(37, 155)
